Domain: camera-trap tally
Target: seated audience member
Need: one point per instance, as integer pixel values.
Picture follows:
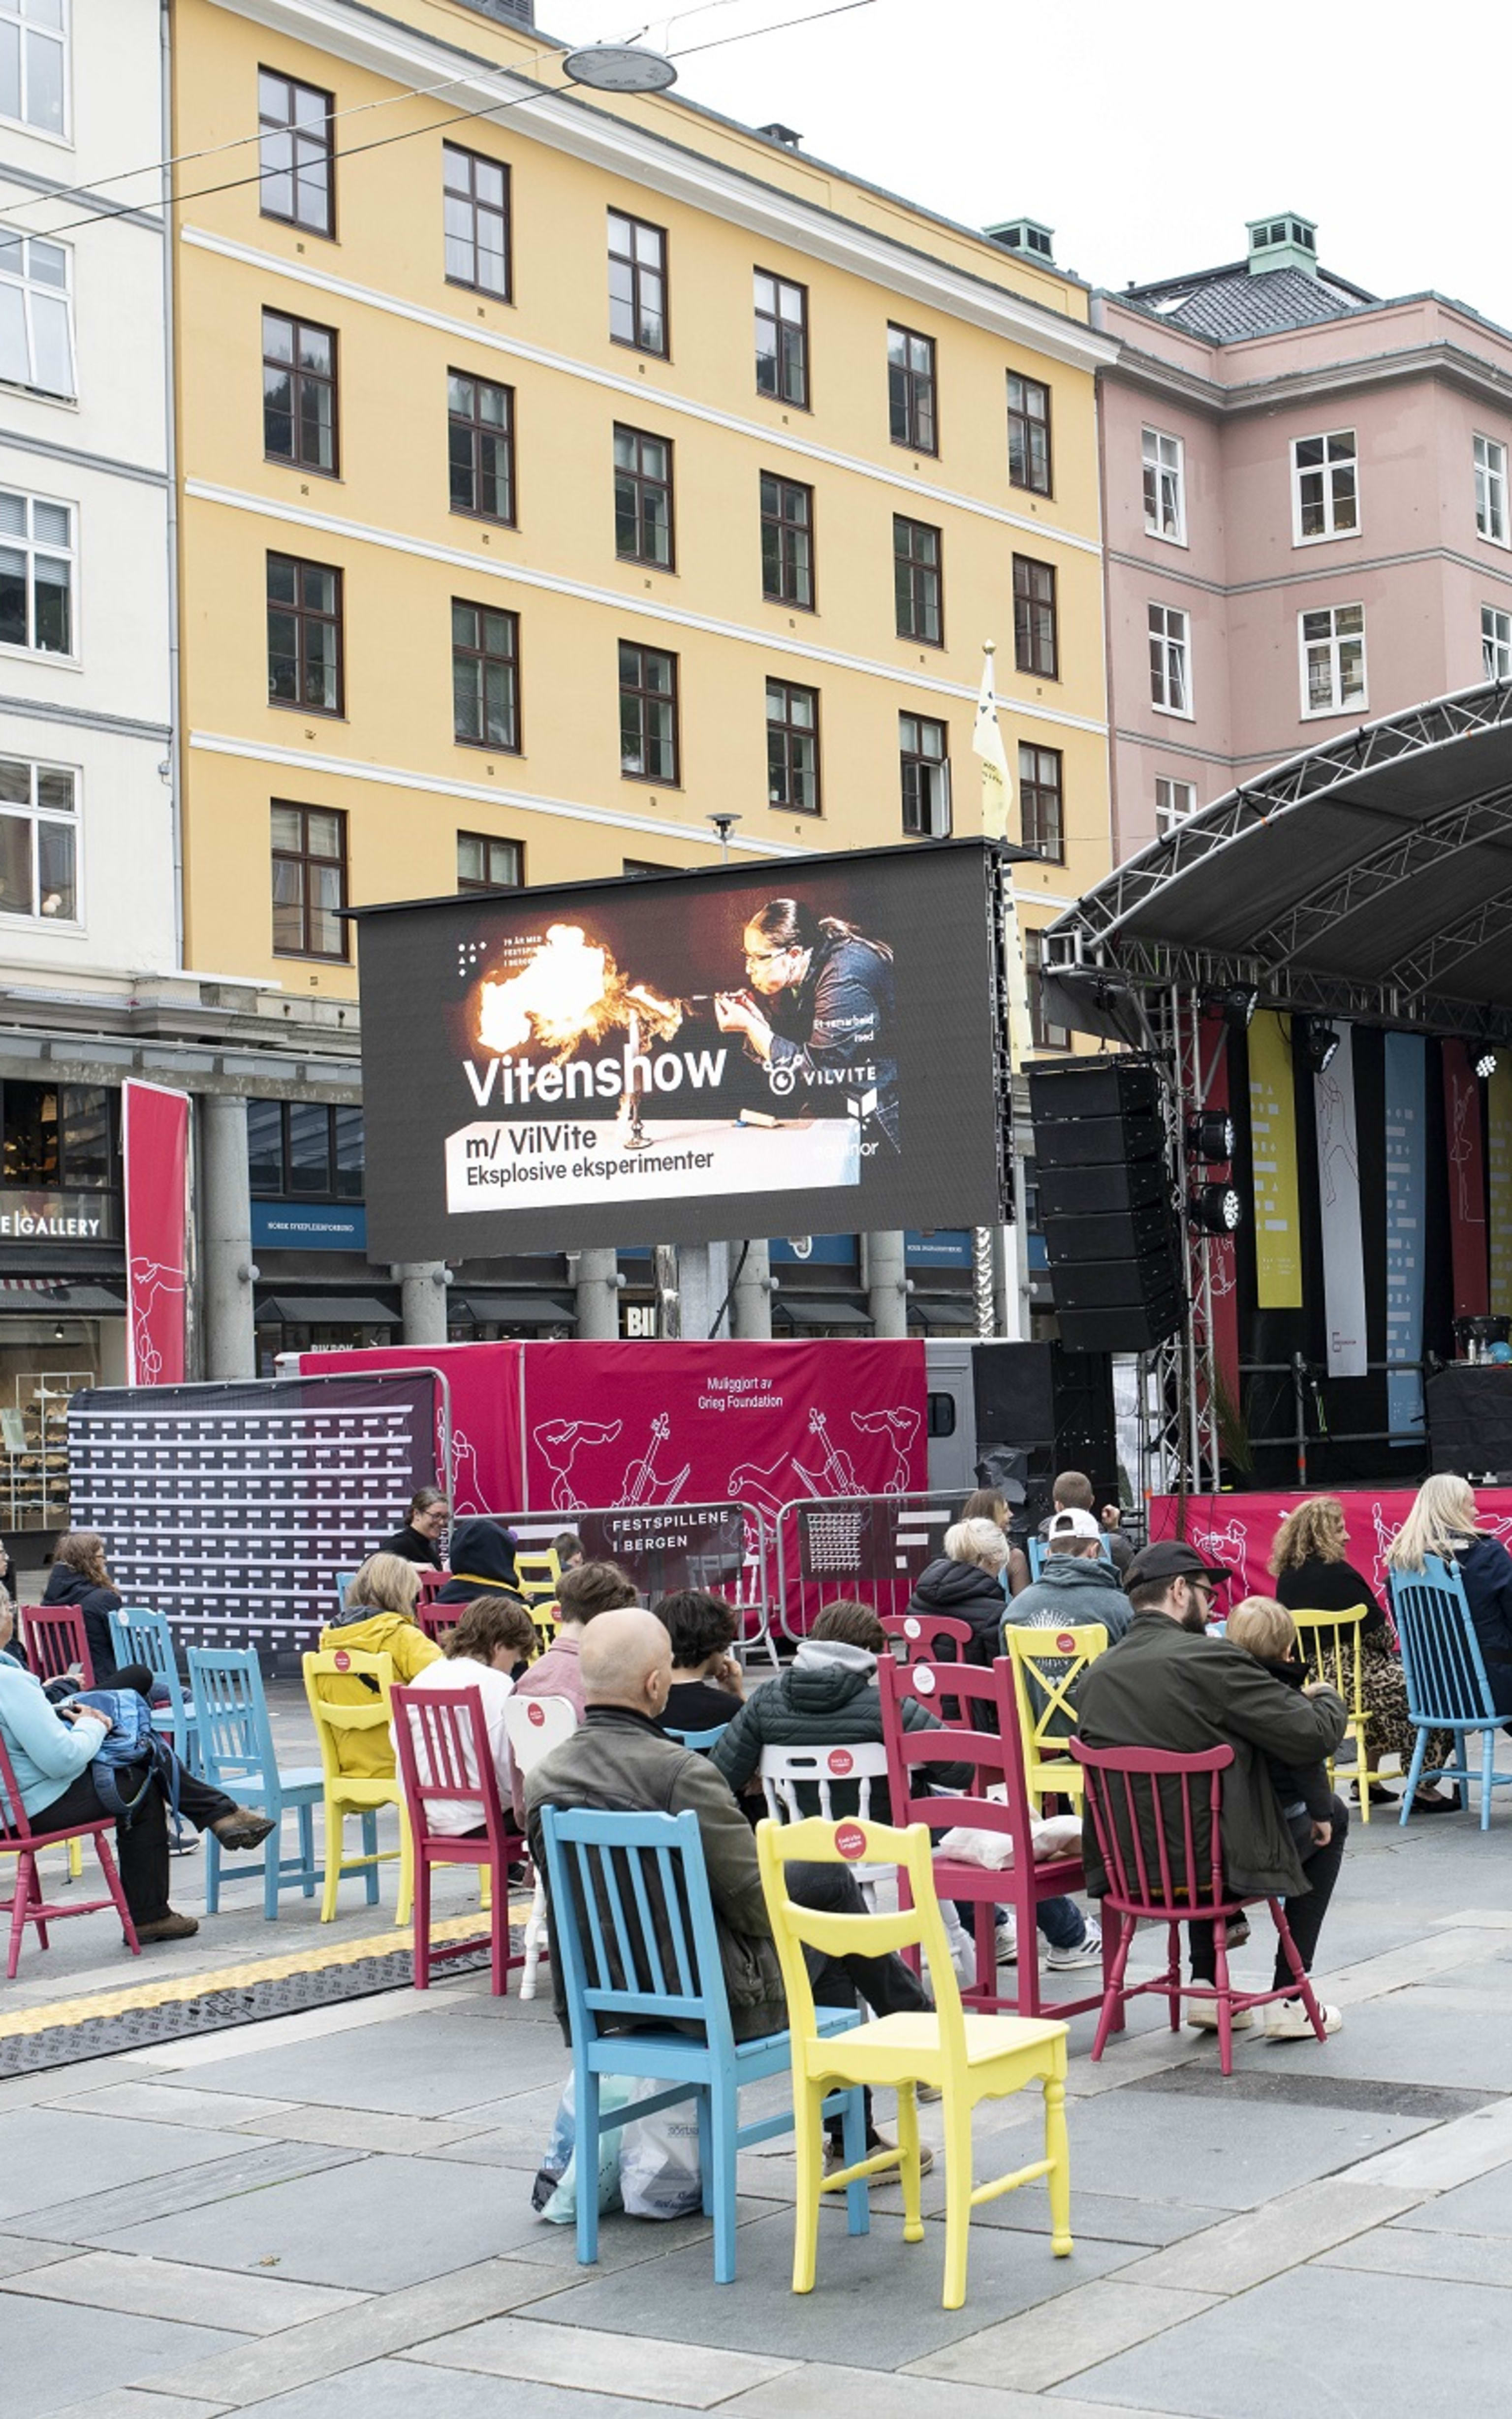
(568, 1548)
(622, 1761)
(1075, 1584)
(708, 1685)
(51, 1749)
(593, 1589)
(378, 1619)
(1168, 1685)
(491, 1636)
(1312, 1572)
(965, 1584)
(78, 1577)
(418, 1539)
(1441, 1524)
(1073, 1491)
(482, 1563)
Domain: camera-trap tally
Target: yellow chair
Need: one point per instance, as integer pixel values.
(968, 2059)
(1047, 1665)
(539, 1575)
(350, 1793)
(1330, 1644)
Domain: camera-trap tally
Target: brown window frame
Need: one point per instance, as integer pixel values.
(300, 378)
(791, 549)
(778, 319)
(649, 696)
(478, 430)
(638, 272)
(787, 733)
(1042, 801)
(1036, 618)
(1027, 422)
(916, 761)
(305, 858)
(488, 841)
(638, 479)
(480, 653)
(502, 210)
(907, 384)
(912, 568)
(305, 617)
(299, 142)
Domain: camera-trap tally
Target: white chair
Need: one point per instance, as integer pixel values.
(783, 1770)
(534, 1726)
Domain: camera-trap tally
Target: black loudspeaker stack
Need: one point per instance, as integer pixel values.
(1110, 1226)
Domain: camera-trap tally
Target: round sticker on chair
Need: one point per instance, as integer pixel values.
(850, 1840)
(913, 1626)
(534, 1713)
(343, 1660)
(840, 1761)
(923, 1680)
(1064, 1644)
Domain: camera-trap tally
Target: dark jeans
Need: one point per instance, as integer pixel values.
(141, 1848)
(1061, 1919)
(1304, 1915)
(886, 1983)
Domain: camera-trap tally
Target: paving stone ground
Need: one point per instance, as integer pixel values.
(327, 2216)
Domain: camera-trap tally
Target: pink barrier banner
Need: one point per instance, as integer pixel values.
(1239, 1530)
(155, 1157)
(488, 1465)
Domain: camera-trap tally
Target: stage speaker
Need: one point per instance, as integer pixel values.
(1054, 1405)
(1111, 1229)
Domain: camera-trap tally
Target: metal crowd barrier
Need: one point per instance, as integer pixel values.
(725, 1549)
(867, 1549)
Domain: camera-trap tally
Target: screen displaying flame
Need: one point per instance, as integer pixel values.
(569, 991)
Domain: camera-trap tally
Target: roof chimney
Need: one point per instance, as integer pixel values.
(777, 133)
(1028, 237)
(1283, 241)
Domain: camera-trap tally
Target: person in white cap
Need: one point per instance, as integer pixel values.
(1076, 1583)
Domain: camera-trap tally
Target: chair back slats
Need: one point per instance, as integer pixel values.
(1441, 1661)
(236, 1738)
(440, 1743)
(634, 1920)
(437, 1621)
(14, 1823)
(1329, 1644)
(539, 1575)
(1047, 1666)
(995, 1754)
(56, 1641)
(1157, 1820)
(790, 1775)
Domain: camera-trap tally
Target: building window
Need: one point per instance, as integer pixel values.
(1028, 434)
(1490, 489)
(924, 769)
(36, 575)
(1174, 802)
(1326, 486)
(1047, 1036)
(34, 60)
(304, 636)
(648, 714)
(1042, 818)
(1170, 659)
(1164, 464)
(782, 339)
(1333, 658)
(787, 541)
(35, 313)
(1036, 641)
(305, 1150)
(309, 880)
(1496, 643)
(475, 210)
(38, 841)
(485, 676)
(484, 863)
(792, 747)
(636, 284)
(911, 413)
(299, 392)
(916, 581)
(295, 151)
(480, 447)
(642, 498)
(66, 1138)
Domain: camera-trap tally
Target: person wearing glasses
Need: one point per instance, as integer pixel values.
(818, 1012)
(1168, 1685)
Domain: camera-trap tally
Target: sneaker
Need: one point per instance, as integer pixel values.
(168, 1927)
(1085, 1952)
(923, 2092)
(835, 2157)
(1236, 1932)
(1288, 2020)
(182, 1843)
(1203, 2017)
(1005, 1933)
(243, 1828)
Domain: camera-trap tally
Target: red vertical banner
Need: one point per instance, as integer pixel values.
(155, 1156)
(1222, 1270)
(1467, 1182)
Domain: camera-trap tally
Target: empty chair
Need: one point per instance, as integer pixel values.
(539, 1575)
(440, 1736)
(437, 1620)
(1447, 1684)
(139, 1636)
(348, 1793)
(238, 1755)
(534, 1726)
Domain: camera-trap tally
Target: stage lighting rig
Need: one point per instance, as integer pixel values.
(1485, 1064)
(1216, 1210)
(1237, 1007)
(1320, 1042)
(1211, 1136)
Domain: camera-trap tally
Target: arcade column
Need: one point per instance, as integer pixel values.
(225, 1237)
(598, 1296)
(886, 1282)
(751, 1309)
(423, 1300)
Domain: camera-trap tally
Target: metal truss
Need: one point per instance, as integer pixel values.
(1400, 859)
(1178, 1401)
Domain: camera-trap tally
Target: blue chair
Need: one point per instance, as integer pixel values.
(341, 1582)
(237, 1747)
(700, 1741)
(138, 1636)
(1447, 1688)
(629, 1898)
(1034, 1548)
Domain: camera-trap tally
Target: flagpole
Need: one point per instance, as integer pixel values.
(987, 743)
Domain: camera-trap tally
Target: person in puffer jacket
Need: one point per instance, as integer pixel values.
(378, 1619)
(966, 1585)
(829, 1697)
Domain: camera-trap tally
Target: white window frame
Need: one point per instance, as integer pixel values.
(1176, 806)
(20, 919)
(1174, 646)
(1165, 472)
(1496, 643)
(18, 13)
(939, 765)
(1488, 455)
(1330, 647)
(16, 250)
(1330, 531)
(31, 546)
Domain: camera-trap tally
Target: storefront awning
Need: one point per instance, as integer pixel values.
(327, 1310)
(509, 1309)
(819, 1310)
(56, 1301)
(955, 1313)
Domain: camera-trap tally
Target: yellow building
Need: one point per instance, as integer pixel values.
(558, 471)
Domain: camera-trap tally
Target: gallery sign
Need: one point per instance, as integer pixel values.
(59, 1217)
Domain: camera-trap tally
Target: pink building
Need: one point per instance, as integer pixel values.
(1307, 517)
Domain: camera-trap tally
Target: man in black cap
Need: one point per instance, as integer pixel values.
(1166, 1684)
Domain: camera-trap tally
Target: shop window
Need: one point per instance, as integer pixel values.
(305, 1150)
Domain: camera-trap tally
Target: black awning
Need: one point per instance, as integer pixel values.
(509, 1309)
(954, 1310)
(56, 1301)
(327, 1310)
(819, 1310)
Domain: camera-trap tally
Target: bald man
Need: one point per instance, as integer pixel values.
(620, 1760)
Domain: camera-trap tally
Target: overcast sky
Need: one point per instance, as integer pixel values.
(1145, 137)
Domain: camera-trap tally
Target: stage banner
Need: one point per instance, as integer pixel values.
(483, 1383)
(1467, 1181)
(1239, 1530)
(155, 1164)
(1338, 1198)
(1222, 1275)
(1499, 1141)
(1273, 1118)
(1405, 1209)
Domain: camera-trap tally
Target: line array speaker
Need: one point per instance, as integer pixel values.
(1110, 1226)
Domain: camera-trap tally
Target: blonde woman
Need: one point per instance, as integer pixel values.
(378, 1618)
(965, 1583)
(1310, 1565)
(1443, 1524)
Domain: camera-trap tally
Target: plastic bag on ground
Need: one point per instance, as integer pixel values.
(554, 2193)
(659, 2172)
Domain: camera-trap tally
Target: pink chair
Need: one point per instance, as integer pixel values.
(1156, 1818)
(437, 1621)
(432, 1581)
(452, 1750)
(19, 1839)
(921, 1634)
(56, 1641)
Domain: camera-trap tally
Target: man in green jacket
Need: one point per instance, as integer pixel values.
(1166, 1684)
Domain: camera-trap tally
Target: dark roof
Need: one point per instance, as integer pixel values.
(1224, 306)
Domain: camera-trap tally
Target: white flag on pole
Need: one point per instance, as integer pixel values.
(987, 744)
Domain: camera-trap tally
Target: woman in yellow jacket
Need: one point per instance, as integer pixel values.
(378, 1619)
